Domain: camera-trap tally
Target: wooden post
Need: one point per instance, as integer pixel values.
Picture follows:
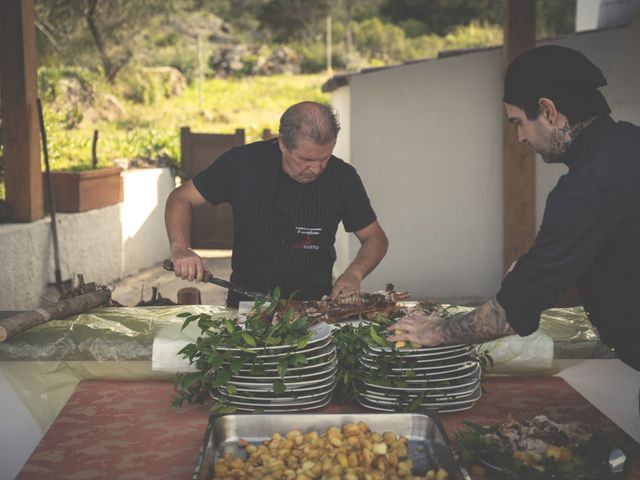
(185, 151)
(518, 159)
(23, 174)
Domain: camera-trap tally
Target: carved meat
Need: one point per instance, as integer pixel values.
(351, 306)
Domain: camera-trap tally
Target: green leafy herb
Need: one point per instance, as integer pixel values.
(216, 352)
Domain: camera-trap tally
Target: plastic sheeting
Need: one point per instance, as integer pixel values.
(564, 333)
(45, 363)
(572, 333)
(103, 334)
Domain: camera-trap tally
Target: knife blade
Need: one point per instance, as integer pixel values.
(209, 278)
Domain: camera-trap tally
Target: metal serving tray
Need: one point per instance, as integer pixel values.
(428, 442)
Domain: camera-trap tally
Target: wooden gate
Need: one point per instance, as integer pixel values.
(211, 226)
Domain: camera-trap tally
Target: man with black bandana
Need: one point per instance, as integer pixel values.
(288, 196)
(590, 232)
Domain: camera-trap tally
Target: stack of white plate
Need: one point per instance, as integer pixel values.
(307, 387)
(439, 379)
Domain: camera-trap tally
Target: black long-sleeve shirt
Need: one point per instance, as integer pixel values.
(589, 237)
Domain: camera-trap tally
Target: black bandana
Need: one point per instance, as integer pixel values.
(549, 71)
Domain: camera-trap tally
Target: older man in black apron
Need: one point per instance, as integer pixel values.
(288, 196)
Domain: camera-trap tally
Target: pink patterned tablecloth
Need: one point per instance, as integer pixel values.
(128, 430)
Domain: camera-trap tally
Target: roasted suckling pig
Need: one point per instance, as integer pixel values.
(352, 306)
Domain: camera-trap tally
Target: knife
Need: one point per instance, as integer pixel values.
(209, 278)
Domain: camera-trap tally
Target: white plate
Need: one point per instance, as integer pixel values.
(267, 397)
(311, 354)
(286, 410)
(409, 349)
(372, 406)
(447, 377)
(322, 370)
(307, 349)
(474, 396)
(291, 403)
(331, 355)
(427, 378)
(294, 391)
(395, 396)
(416, 388)
(449, 359)
(421, 372)
(419, 354)
(290, 386)
(327, 351)
(321, 331)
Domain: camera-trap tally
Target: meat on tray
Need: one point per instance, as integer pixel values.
(352, 306)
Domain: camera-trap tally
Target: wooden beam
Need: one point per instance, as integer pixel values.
(518, 159)
(23, 175)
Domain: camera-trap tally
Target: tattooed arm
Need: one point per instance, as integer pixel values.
(487, 322)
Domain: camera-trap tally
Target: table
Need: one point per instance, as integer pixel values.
(128, 430)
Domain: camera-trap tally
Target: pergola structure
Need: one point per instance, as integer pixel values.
(23, 178)
(21, 138)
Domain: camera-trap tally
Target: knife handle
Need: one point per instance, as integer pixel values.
(167, 264)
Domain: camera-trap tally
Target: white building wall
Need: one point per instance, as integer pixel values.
(427, 140)
(341, 102)
(144, 237)
(587, 14)
(104, 244)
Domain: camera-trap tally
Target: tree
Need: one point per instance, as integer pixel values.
(289, 20)
(554, 17)
(113, 27)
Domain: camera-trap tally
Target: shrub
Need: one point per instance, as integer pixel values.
(379, 40)
(313, 56)
(474, 35)
(49, 77)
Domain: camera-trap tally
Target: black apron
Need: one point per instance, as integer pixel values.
(291, 250)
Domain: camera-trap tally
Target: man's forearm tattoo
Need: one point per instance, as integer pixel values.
(487, 322)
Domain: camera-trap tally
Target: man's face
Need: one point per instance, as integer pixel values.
(537, 133)
(307, 161)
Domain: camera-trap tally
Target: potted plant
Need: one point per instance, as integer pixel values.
(82, 190)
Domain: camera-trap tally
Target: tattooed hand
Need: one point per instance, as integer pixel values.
(487, 322)
(419, 328)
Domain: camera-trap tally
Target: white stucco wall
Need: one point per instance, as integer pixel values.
(104, 244)
(144, 238)
(587, 14)
(341, 101)
(427, 140)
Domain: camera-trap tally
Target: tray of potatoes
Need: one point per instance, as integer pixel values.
(354, 446)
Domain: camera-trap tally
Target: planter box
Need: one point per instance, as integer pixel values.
(86, 190)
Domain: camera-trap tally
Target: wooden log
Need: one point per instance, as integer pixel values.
(16, 324)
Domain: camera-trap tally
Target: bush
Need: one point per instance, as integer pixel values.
(147, 85)
(379, 40)
(313, 56)
(474, 35)
(49, 78)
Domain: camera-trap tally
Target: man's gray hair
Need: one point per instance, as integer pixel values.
(316, 121)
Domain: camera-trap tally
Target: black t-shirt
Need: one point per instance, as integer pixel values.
(230, 178)
(589, 237)
(250, 177)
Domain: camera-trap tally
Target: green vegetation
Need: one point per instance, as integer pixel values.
(151, 131)
(137, 71)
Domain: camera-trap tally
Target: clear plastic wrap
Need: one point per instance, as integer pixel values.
(103, 334)
(45, 363)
